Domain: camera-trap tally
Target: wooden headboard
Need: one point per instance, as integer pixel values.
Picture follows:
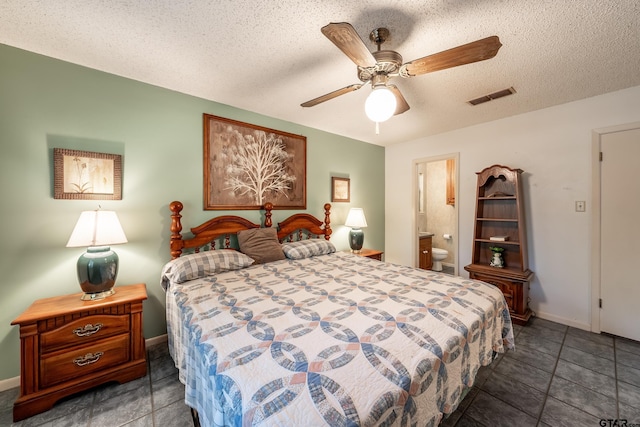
(221, 228)
(298, 225)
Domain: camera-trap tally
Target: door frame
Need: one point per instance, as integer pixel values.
(596, 241)
(414, 207)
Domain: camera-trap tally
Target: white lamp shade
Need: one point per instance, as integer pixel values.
(380, 104)
(97, 228)
(356, 218)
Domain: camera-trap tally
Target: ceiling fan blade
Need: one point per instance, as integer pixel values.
(478, 50)
(345, 37)
(401, 103)
(332, 95)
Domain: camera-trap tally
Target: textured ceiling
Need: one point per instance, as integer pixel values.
(269, 57)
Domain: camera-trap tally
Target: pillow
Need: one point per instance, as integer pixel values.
(194, 266)
(261, 244)
(307, 248)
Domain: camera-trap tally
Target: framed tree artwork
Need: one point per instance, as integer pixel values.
(246, 166)
(85, 175)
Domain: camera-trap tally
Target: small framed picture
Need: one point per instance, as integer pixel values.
(84, 175)
(340, 189)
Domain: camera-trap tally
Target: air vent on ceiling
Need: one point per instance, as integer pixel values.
(492, 96)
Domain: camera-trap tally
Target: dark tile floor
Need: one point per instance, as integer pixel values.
(154, 400)
(448, 269)
(558, 376)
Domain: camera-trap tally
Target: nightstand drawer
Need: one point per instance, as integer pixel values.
(516, 292)
(508, 289)
(84, 330)
(84, 360)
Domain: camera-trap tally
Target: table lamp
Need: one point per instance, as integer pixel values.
(98, 267)
(356, 220)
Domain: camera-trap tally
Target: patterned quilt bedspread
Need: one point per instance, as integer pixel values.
(335, 339)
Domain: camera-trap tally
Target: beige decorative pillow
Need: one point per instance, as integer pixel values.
(261, 244)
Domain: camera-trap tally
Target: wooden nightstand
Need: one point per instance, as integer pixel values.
(68, 345)
(370, 253)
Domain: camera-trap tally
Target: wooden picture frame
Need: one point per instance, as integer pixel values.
(340, 189)
(246, 166)
(86, 175)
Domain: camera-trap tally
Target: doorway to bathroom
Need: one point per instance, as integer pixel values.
(436, 211)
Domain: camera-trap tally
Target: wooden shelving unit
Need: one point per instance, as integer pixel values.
(500, 212)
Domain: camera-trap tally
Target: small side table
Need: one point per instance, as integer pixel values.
(68, 345)
(369, 253)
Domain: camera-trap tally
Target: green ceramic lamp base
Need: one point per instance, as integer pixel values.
(356, 239)
(97, 272)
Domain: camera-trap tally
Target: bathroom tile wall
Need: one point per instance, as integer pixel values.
(440, 217)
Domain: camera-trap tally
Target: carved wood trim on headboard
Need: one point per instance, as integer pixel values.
(307, 222)
(176, 227)
(205, 233)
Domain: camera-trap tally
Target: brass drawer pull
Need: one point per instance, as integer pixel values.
(88, 329)
(88, 358)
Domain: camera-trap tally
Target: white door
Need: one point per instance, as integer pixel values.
(620, 233)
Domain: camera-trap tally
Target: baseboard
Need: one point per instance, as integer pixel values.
(156, 340)
(564, 321)
(10, 383)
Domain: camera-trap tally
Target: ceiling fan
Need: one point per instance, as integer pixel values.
(380, 66)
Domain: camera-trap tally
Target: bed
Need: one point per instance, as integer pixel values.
(317, 336)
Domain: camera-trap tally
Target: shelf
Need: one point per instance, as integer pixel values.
(498, 219)
(498, 242)
(506, 272)
(498, 198)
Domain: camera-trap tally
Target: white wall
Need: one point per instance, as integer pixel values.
(553, 147)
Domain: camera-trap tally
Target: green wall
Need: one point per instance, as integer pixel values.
(47, 103)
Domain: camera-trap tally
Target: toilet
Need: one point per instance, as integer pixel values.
(437, 255)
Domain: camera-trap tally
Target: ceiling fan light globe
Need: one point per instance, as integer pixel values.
(380, 104)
